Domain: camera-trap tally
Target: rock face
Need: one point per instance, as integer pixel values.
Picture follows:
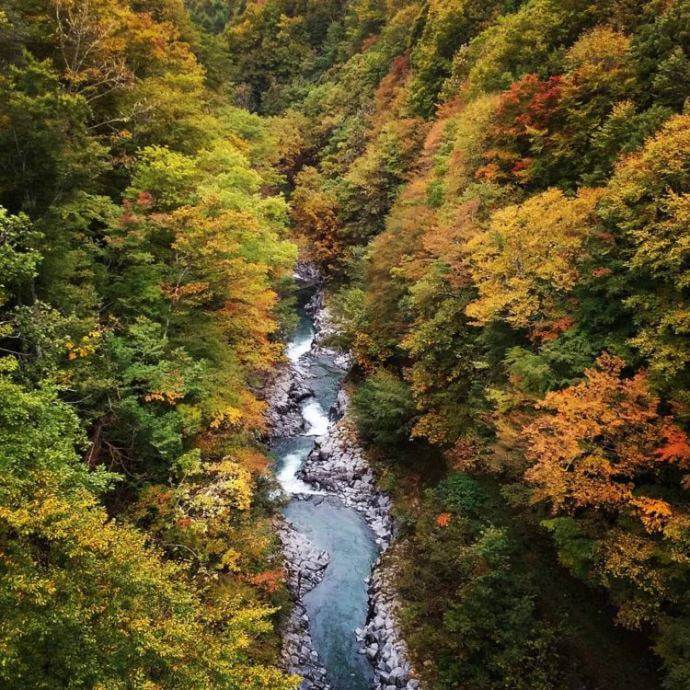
(308, 274)
(337, 466)
(325, 332)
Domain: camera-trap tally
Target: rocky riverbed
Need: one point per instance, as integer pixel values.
(335, 467)
(338, 466)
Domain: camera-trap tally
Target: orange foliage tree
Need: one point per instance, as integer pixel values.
(315, 216)
(611, 465)
(600, 440)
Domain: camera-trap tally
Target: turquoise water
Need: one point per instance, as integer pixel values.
(338, 604)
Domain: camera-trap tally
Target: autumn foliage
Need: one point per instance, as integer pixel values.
(499, 195)
(499, 192)
(600, 441)
(143, 250)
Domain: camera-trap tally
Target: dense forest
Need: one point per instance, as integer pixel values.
(143, 247)
(498, 194)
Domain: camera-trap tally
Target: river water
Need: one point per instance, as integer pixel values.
(338, 604)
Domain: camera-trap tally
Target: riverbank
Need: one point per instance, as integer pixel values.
(502, 594)
(338, 466)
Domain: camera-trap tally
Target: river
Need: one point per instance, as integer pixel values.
(338, 604)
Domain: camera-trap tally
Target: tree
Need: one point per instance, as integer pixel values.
(315, 215)
(44, 146)
(141, 255)
(604, 453)
(384, 409)
(525, 264)
(84, 600)
(646, 209)
(522, 42)
(19, 258)
(599, 439)
(447, 26)
(662, 57)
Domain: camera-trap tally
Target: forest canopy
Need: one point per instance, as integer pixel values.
(498, 194)
(143, 248)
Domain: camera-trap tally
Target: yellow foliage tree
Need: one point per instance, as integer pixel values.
(525, 264)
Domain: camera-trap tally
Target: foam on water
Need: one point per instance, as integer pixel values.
(315, 417)
(299, 346)
(286, 476)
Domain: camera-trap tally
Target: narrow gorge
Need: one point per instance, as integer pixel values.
(342, 633)
(344, 344)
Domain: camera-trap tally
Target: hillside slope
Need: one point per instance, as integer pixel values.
(498, 193)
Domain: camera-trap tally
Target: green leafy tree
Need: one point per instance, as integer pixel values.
(384, 409)
(84, 601)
